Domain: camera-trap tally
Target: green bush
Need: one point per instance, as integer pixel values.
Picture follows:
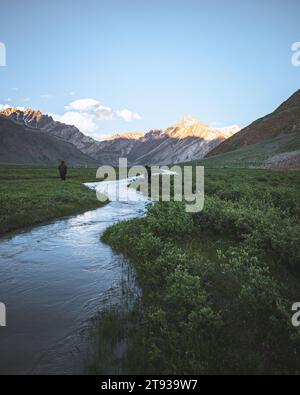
(207, 313)
(169, 220)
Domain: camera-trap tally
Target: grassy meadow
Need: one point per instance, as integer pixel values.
(217, 286)
(30, 195)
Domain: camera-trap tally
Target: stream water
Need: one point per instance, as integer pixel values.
(54, 279)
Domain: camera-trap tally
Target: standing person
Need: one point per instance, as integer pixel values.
(62, 168)
(149, 173)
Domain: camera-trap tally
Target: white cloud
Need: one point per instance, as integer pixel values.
(92, 107)
(27, 99)
(45, 96)
(84, 122)
(82, 105)
(102, 112)
(85, 113)
(128, 115)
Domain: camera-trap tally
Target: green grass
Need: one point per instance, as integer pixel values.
(254, 155)
(31, 195)
(217, 286)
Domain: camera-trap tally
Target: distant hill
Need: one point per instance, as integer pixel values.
(22, 145)
(272, 141)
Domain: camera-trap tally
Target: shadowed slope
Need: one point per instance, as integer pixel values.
(21, 145)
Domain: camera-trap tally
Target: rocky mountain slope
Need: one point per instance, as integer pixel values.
(187, 140)
(284, 120)
(23, 145)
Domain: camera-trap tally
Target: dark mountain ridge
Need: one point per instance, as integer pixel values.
(26, 145)
(284, 120)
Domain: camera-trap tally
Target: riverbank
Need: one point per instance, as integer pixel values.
(31, 195)
(217, 286)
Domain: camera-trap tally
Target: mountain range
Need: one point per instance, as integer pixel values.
(187, 140)
(28, 136)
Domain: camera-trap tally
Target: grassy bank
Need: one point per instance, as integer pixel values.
(32, 195)
(218, 285)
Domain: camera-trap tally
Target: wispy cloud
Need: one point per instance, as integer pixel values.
(71, 94)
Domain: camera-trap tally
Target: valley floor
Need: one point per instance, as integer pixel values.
(30, 195)
(217, 286)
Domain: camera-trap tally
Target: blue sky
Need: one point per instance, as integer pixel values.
(144, 64)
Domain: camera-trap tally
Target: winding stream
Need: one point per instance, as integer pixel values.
(53, 280)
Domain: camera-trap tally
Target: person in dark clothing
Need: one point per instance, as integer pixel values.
(62, 168)
(149, 174)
